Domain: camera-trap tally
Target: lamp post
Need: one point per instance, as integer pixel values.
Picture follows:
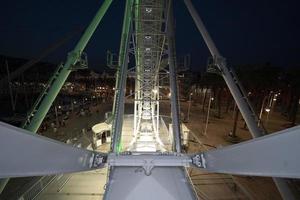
(56, 116)
(261, 110)
(189, 107)
(271, 104)
(208, 110)
(268, 112)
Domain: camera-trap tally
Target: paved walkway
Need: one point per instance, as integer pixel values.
(89, 185)
(79, 186)
(220, 186)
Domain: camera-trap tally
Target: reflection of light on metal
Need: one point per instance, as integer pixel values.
(169, 95)
(274, 99)
(212, 98)
(94, 97)
(150, 148)
(74, 102)
(249, 93)
(59, 107)
(267, 109)
(114, 88)
(148, 10)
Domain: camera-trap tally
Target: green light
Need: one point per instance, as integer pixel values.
(119, 148)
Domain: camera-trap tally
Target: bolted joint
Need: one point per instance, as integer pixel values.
(78, 59)
(198, 160)
(74, 56)
(99, 160)
(214, 63)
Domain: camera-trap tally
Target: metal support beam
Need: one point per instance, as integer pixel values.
(271, 155)
(137, 93)
(234, 88)
(237, 92)
(121, 87)
(24, 154)
(173, 80)
(149, 161)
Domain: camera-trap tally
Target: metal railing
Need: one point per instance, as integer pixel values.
(41, 184)
(35, 189)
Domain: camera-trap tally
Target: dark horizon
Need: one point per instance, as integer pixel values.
(245, 32)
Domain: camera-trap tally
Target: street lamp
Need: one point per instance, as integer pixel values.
(208, 110)
(268, 112)
(189, 106)
(56, 115)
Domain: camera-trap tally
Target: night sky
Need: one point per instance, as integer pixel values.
(245, 31)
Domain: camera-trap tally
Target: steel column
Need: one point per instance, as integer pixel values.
(237, 92)
(121, 89)
(137, 86)
(232, 85)
(173, 81)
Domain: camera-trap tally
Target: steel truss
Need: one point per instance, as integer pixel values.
(150, 38)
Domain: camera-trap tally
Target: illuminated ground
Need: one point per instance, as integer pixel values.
(208, 185)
